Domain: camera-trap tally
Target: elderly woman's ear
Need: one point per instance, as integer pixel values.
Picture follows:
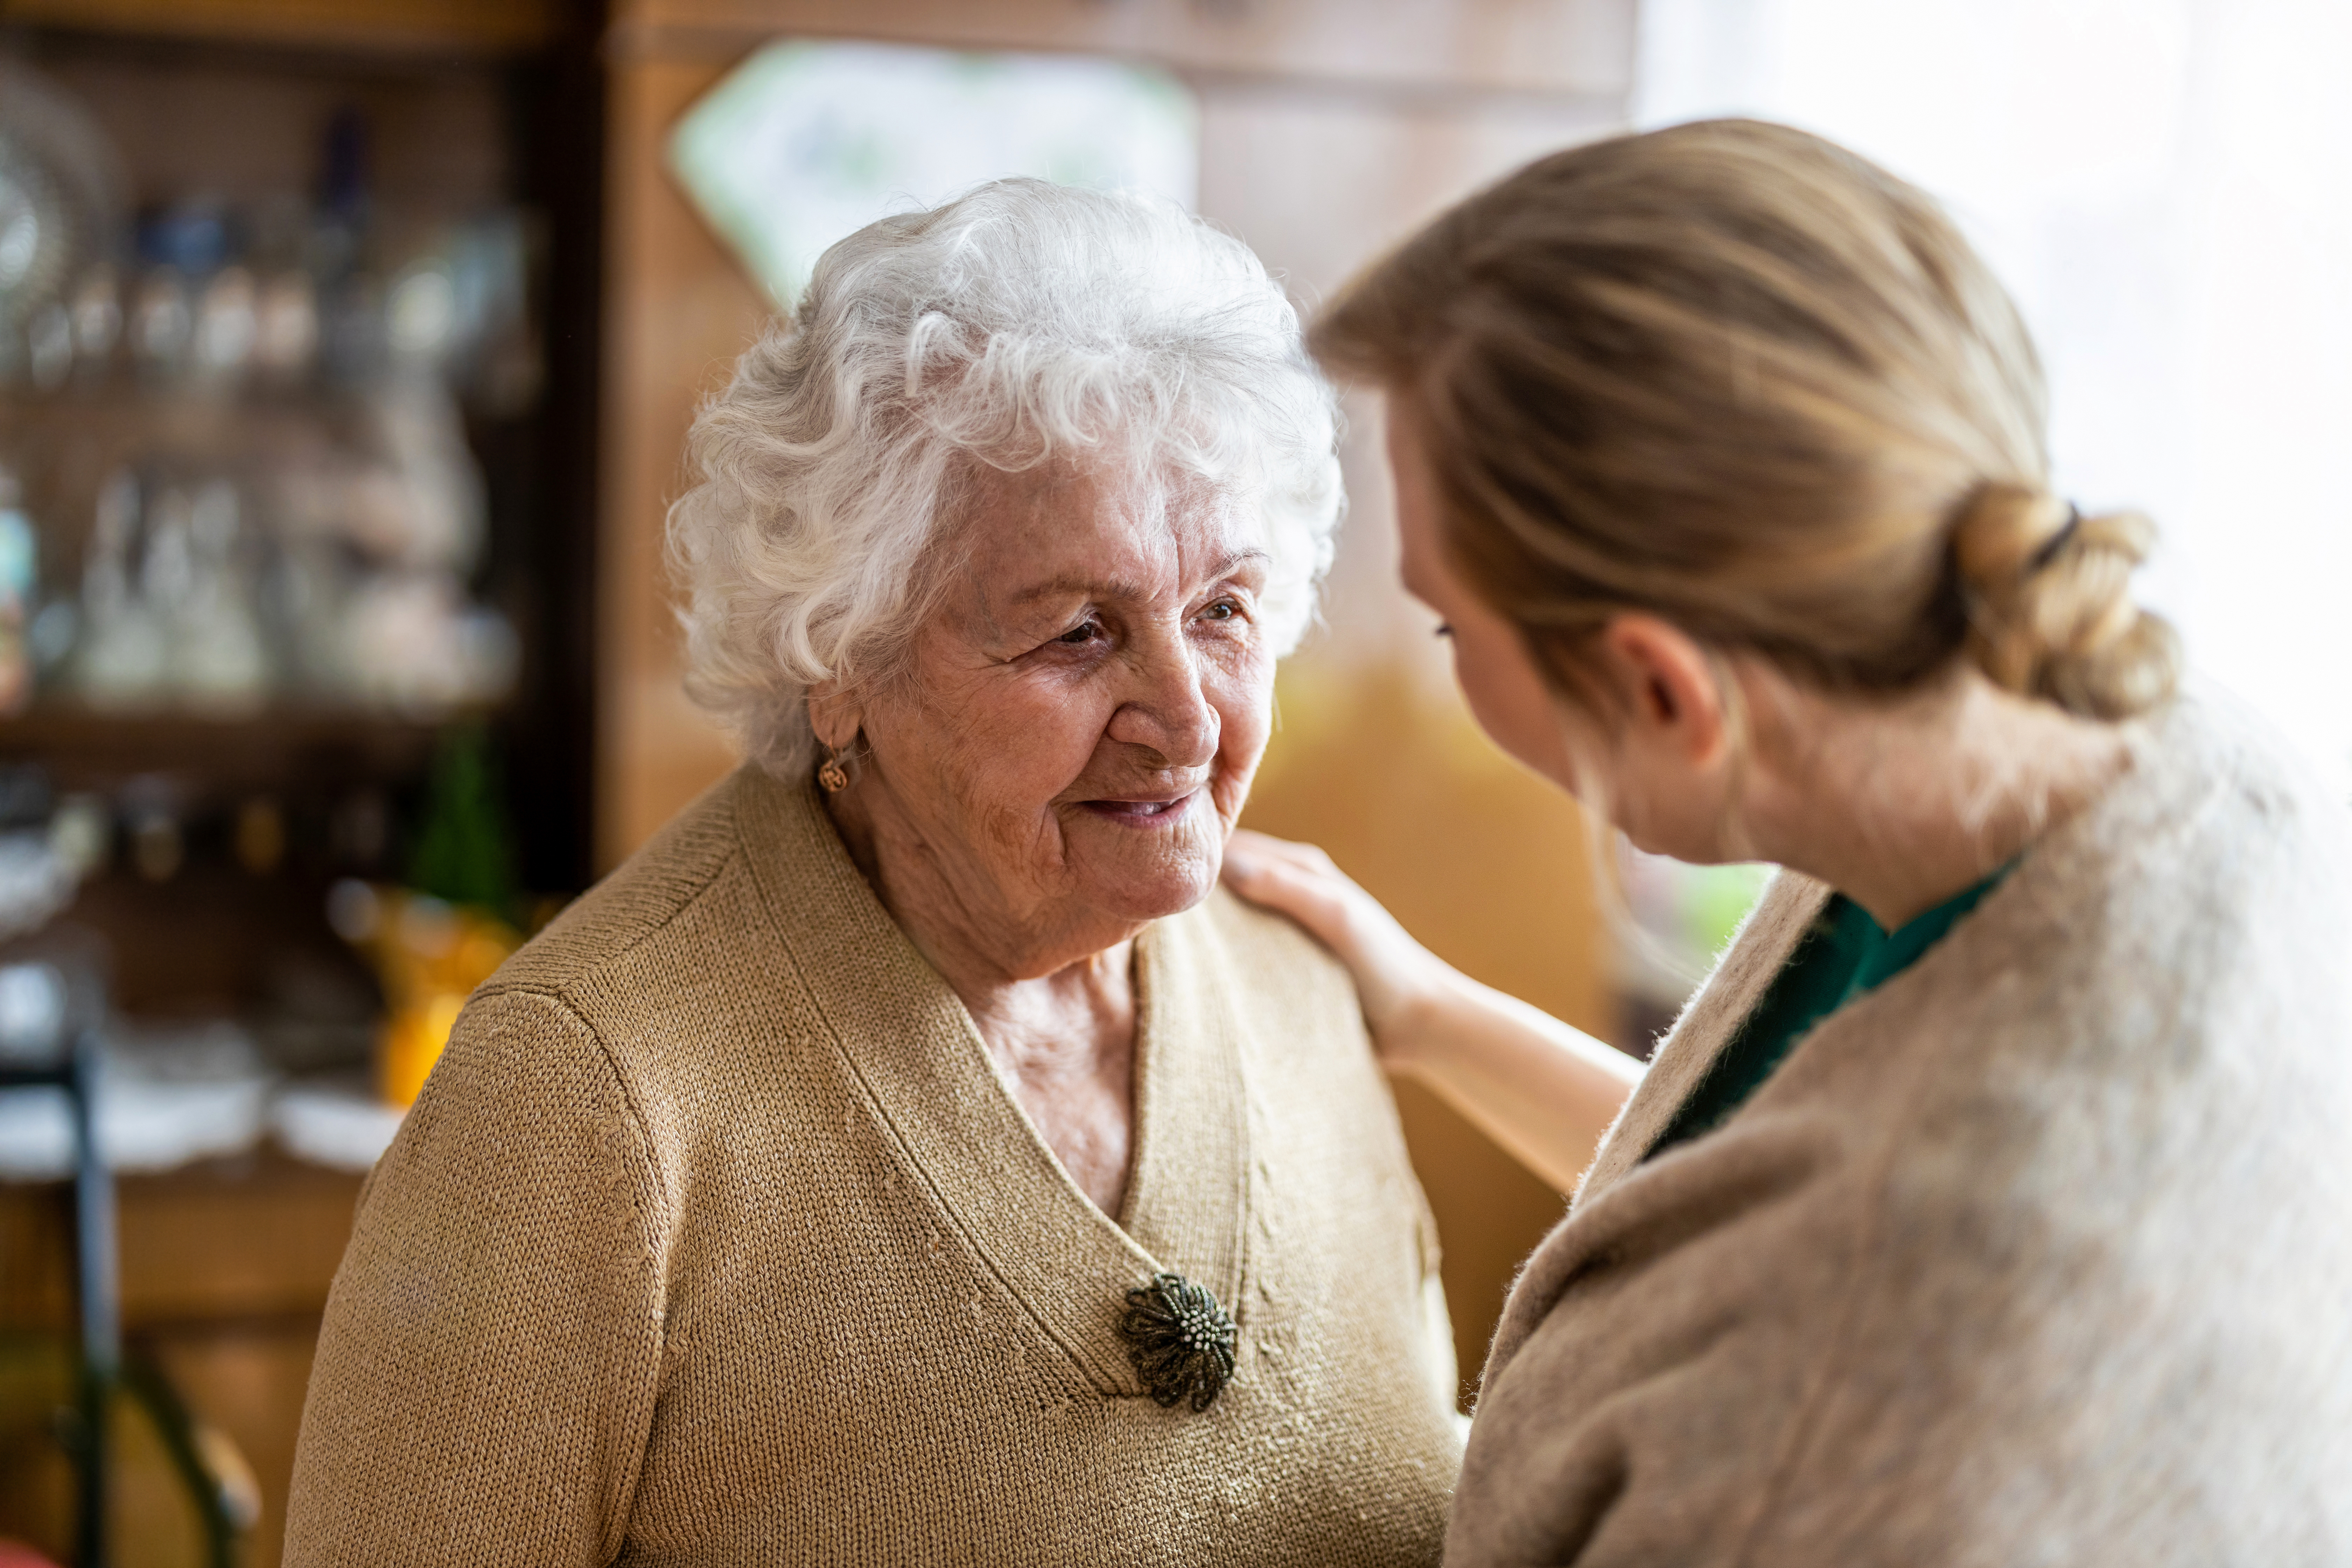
(834, 715)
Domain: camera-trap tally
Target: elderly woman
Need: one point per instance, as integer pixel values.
(908, 1156)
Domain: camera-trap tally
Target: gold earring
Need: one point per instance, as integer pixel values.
(832, 776)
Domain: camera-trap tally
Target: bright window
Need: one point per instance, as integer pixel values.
(2166, 185)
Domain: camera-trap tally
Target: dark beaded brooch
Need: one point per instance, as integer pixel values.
(1180, 1340)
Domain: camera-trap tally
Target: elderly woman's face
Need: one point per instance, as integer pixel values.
(1085, 709)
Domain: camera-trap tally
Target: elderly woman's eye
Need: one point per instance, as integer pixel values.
(1223, 610)
(1085, 632)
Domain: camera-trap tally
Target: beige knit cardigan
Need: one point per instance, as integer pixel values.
(715, 1239)
(2041, 1253)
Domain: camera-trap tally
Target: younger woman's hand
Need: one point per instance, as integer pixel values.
(1540, 1088)
(1393, 973)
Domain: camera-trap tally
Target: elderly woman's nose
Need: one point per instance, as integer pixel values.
(1169, 712)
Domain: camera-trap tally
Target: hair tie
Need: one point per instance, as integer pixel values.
(2056, 541)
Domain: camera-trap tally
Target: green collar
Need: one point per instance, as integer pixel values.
(1844, 954)
(1899, 950)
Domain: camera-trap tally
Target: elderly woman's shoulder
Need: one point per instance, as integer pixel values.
(1272, 955)
(672, 879)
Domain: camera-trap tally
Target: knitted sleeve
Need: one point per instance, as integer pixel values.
(487, 1372)
(1648, 1415)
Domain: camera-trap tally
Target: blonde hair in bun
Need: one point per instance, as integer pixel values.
(1737, 376)
(2049, 605)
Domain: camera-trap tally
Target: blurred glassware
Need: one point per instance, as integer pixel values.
(159, 846)
(321, 548)
(417, 648)
(286, 329)
(439, 521)
(227, 329)
(51, 636)
(96, 312)
(352, 329)
(32, 1012)
(161, 325)
(59, 199)
(121, 657)
(37, 883)
(48, 347)
(81, 833)
(421, 314)
(222, 665)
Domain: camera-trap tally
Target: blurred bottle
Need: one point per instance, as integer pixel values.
(285, 330)
(223, 666)
(154, 814)
(48, 344)
(433, 943)
(161, 325)
(350, 296)
(184, 246)
(96, 312)
(123, 652)
(227, 329)
(464, 850)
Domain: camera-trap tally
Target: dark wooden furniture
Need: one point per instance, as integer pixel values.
(225, 1266)
(223, 1274)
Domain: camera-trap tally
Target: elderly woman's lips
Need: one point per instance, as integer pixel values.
(1153, 812)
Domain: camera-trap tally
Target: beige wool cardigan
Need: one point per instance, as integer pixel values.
(2041, 1253)
(715, 1239)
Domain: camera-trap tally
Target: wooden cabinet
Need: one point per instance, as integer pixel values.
(472, 111)
(444, 28)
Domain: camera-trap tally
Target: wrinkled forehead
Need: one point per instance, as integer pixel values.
(1143, 531)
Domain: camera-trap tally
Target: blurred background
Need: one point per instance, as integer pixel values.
(346, 351)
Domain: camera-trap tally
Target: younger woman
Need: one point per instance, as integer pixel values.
(1990, 1204)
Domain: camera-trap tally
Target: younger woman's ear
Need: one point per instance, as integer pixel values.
(834, 714)
(1668, 687)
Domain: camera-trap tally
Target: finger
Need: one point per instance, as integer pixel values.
(1261, 846)
(1306, 857)
(1260, 875)
(1312, 902)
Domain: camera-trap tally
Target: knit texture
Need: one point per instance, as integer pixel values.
(2041, 1253)
(715, 1238)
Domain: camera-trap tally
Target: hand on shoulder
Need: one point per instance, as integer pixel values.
(1541, 1088)
(1395, 976)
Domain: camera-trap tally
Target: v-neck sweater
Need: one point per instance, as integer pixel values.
(716, 1238)
(1843, 953)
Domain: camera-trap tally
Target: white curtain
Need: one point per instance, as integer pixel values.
(2166, 185)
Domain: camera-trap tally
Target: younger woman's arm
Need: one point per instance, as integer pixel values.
(1542, 1090)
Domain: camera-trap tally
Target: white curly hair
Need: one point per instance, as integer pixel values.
(1022, 323)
